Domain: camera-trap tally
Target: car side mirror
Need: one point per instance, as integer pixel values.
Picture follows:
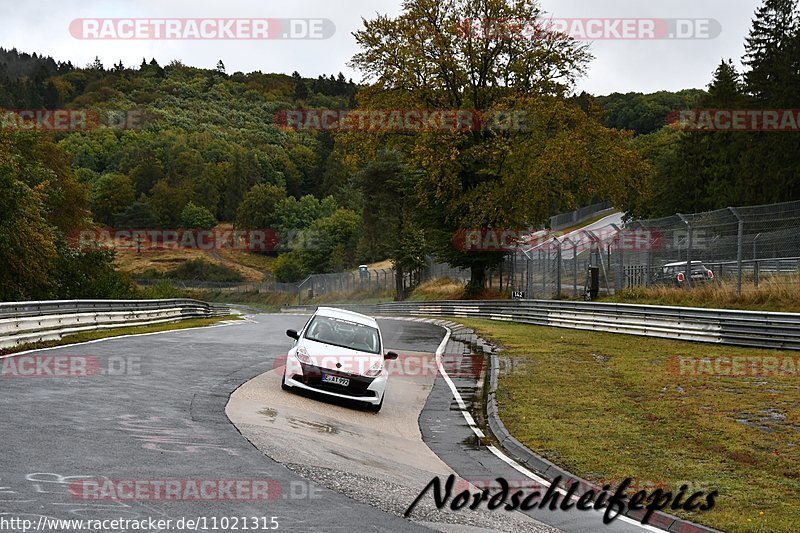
(390, 355)
(292, 333)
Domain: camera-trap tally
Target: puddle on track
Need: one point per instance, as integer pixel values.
(319, 427)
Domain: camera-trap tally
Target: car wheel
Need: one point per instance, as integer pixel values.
(284, 386)
(376, 408)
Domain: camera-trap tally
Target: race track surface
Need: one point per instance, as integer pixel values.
(151, 410)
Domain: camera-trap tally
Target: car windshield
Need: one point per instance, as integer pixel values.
(344, 333)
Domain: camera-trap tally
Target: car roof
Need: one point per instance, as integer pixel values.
(681, 263)
(344, 314)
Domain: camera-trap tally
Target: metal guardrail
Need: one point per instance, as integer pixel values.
(30, 322)
(722, 326)
(571, 218)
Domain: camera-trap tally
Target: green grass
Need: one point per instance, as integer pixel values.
(607, 406)
(134, 330)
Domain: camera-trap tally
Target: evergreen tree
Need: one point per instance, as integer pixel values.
(772, 54)
(772, 162)
(725, 90)
(300, 88)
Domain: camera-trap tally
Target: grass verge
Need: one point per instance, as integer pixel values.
(451, 289)
(607, 406)
(134, 330)
(774, 293)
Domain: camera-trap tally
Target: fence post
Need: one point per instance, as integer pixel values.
(739, 246)
(558, 268)
(619, 279)
(512, 283)
(649, 268)
(574, 265)
(543, 263)
(755, 256)
(688, 272)
(529, 276)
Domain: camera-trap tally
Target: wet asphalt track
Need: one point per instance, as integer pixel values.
(165, 419)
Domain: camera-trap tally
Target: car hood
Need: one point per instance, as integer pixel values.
(348, 360)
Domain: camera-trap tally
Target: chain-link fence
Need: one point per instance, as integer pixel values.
(740, 245)
(368, 280)
(363, 280)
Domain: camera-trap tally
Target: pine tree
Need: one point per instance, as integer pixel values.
(300, 88)
(770, 164)
(772, 54)
(725, 90)
(155, 67)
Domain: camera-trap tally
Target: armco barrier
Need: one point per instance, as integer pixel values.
(723, 326)
(29, 322)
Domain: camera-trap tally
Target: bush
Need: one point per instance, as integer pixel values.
(88, 274)
(162, 290)
(200, 270)
(197, 216)
(257, 209)
(290, 268)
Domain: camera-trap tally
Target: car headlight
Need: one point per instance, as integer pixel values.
(374, 370)
(302, 355)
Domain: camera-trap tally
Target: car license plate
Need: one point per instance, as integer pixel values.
(336, 380)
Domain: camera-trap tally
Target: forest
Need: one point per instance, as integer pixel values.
(206, 149)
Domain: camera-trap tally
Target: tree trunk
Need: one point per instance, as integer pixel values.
(478, 276)
(400, 293)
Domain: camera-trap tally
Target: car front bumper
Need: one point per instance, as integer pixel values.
(361, 388)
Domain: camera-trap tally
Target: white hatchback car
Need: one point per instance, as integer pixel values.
(339, 353)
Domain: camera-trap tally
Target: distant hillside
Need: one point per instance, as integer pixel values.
(645, 113)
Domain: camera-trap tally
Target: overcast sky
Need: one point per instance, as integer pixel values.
(638, 65)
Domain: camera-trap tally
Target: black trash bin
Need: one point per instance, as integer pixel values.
(593, 282)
